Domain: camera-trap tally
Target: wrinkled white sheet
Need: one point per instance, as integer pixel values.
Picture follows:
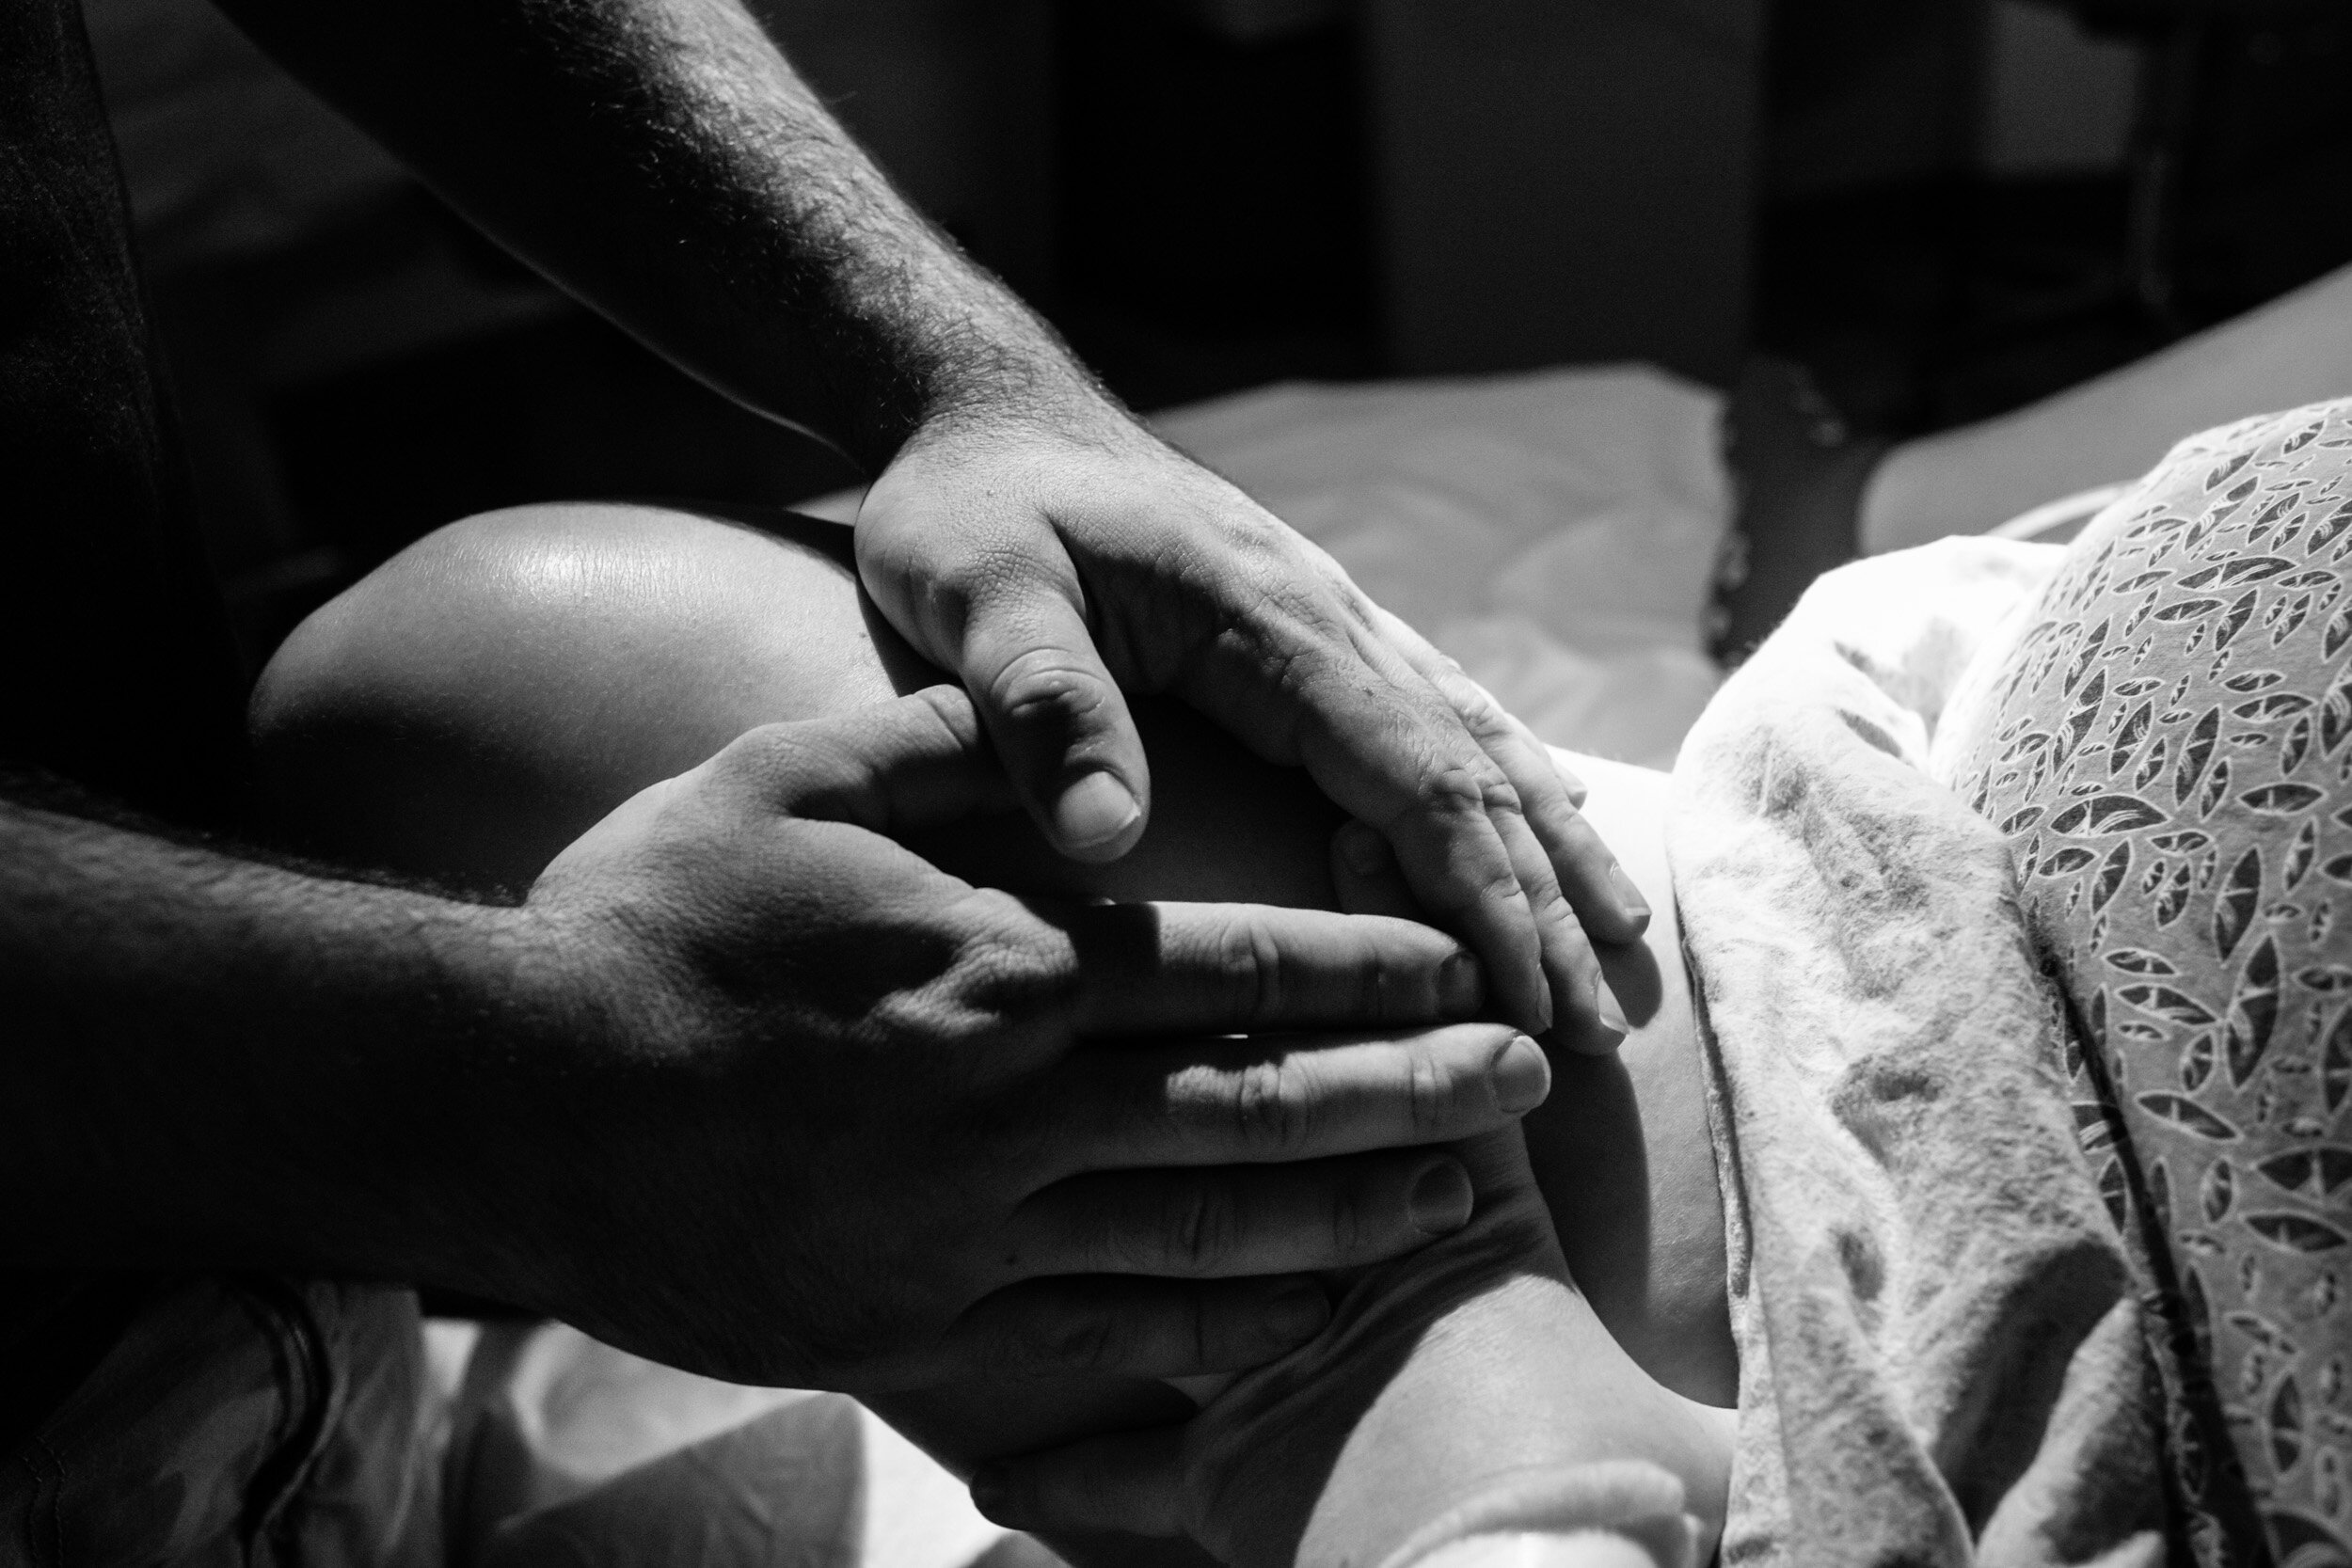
(1940, 1353)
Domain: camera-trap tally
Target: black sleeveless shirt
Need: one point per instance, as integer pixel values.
(118, 677)
(116, 671)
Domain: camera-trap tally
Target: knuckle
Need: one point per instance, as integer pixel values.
(1202, 1227)
(1269, 1109)
(1013, 965)
(1250, 961)
(950, 707)
(1498, 795)
(1457, 788)
(1433, 1094)
(1500, 887)
(1549, 902)
(1045, 683)
(1550, 808)
(1294, 666)
(1263, 543)
(1404, 992)
(1350, 1226)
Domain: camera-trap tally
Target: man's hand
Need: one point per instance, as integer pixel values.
(1051, 562)
(663, 162)
(831, 1117)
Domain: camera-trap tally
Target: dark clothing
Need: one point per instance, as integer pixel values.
(239, 1422)
(118, 669)
(150, 1420)
(116, 663)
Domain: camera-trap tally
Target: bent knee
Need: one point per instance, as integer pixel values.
(469, 706)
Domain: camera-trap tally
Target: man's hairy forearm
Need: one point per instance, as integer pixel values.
(209, 1061)
(661, 159)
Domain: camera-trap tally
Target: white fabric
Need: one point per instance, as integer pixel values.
(1940, 1359)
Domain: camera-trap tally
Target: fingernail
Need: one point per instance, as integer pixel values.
(1298, 1312)
(1459, 986)
(1095, 809)
(1441, 1201)
(1605, 1002)
(1630, 899)
(1521, 1076)
(987, 1491)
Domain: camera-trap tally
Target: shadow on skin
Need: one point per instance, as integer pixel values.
(491, 692)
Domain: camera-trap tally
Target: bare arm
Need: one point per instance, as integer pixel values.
(2293, 351)
(671, 1098)
(202, 1052)
(662, 160)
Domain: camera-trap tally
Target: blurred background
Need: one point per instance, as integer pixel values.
(1945, 208)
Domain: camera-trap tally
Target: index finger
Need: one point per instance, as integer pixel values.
(1159, 968)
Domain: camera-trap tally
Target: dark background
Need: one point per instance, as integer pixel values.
(1927, 201)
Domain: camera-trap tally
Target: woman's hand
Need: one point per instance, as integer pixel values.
(1053, 562)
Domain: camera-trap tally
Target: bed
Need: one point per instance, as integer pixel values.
(1949, 1348)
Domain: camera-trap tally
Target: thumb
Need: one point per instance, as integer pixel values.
(892, 768)
(1058, 718)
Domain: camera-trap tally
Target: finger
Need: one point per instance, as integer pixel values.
(1570, 779)
(1366, 876)
(1579, 1002)
(1129, 1482)
(1561, 864)
(1217, 968)
(1120, 1325)
(1057, 716)
(1232, 1221)
(894, 767)
(1565, 949)
(1603, 897)
(1589, 875)
(1224, 1101)
(1585, 1014)
(1382, 742)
